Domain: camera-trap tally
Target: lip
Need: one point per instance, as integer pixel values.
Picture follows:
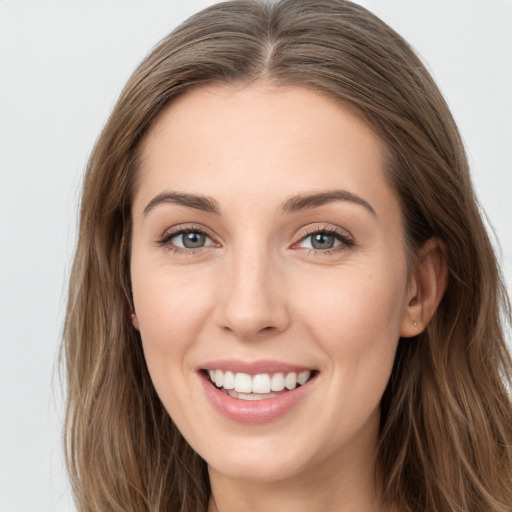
(253, 367)
(254, 412)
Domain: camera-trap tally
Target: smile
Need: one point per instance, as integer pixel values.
(261, 386)
(258, 392)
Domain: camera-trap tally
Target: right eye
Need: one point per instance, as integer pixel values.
(321, 241)
(188, 239)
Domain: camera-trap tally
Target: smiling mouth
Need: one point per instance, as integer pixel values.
(261, 386)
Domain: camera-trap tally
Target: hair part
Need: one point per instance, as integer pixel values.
(446, 418)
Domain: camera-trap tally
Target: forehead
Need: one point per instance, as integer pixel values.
(260, 139)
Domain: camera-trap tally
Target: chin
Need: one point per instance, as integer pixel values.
(266, 468)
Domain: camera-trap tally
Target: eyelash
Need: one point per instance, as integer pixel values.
(164, 241)
(346, 241)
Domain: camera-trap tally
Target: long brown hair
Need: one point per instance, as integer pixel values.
(446, 415)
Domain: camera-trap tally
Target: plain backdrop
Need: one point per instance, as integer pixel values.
(62, 66)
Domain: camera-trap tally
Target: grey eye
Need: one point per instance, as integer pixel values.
(191, 240)
(320, 241)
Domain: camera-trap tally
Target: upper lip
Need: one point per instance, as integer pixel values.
(254, 367)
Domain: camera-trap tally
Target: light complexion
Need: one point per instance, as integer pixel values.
(271, 287)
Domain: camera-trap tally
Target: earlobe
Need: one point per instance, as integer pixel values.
(135, 321)
(426, 289)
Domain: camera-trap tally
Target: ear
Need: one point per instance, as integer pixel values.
(135, 321)
(427, 285)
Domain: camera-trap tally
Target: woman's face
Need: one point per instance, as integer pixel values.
(268, 252)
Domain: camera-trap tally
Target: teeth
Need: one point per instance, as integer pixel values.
(260, 384)
(250, 396)
(277, 383)
(243, 382)
(290, 381)
(229, 380)
(303, 377)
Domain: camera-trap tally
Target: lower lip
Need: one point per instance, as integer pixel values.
(254, 412)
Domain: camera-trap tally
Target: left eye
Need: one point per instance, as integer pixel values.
(190, 240)
(321, 241)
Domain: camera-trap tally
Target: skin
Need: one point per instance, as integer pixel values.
(258, 289)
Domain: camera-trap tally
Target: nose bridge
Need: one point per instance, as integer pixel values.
(253, 300)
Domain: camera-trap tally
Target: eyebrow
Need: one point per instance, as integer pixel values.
(307, 201)
(198, 202)
(291, 205)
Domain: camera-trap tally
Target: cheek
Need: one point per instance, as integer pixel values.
(357, 326)
(165, 297)
(354, 301)
(169, 306)
(356, 318)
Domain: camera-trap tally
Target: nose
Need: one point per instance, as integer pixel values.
(253, 299)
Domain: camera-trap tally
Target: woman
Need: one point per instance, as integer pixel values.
(283, 295)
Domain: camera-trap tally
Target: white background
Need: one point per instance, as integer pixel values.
(62, 66)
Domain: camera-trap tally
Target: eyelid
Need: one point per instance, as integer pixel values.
(170, 233)
(344, 236)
